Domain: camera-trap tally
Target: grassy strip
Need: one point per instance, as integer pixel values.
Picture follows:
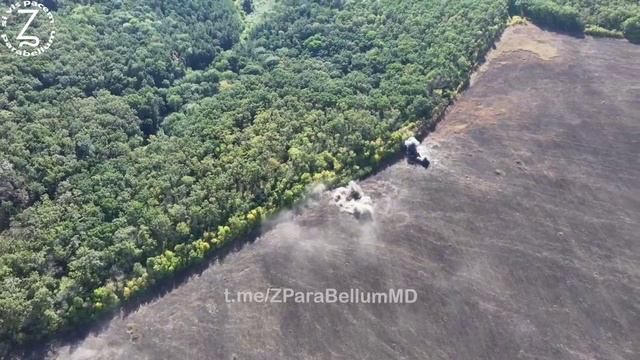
(597, 31)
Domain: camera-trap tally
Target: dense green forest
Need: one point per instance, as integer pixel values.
(102, 88)
(154, 132)
(611, 18)
(607, 14)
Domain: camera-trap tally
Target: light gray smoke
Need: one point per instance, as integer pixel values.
(412, 141)
(352, 200)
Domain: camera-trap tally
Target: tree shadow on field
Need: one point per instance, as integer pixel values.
(573, 34)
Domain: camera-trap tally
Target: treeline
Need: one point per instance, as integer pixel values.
(320, 91)
(631, 28)
(551, 15)
(614, 18)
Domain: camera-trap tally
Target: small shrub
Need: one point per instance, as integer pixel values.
(631, 29)
(517, 20)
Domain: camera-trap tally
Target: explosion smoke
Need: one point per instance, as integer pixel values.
(352, 200)
(416, 153)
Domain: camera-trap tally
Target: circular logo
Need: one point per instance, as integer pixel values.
(27, 28)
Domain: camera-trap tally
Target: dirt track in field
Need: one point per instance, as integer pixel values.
(522, 240)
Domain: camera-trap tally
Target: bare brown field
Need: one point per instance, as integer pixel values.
(522, 239)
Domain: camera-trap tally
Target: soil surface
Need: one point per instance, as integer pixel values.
(521, 240)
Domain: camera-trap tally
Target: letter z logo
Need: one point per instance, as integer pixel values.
(32, 41)
(39, 22)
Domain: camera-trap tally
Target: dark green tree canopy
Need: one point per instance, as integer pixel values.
(151, 134)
